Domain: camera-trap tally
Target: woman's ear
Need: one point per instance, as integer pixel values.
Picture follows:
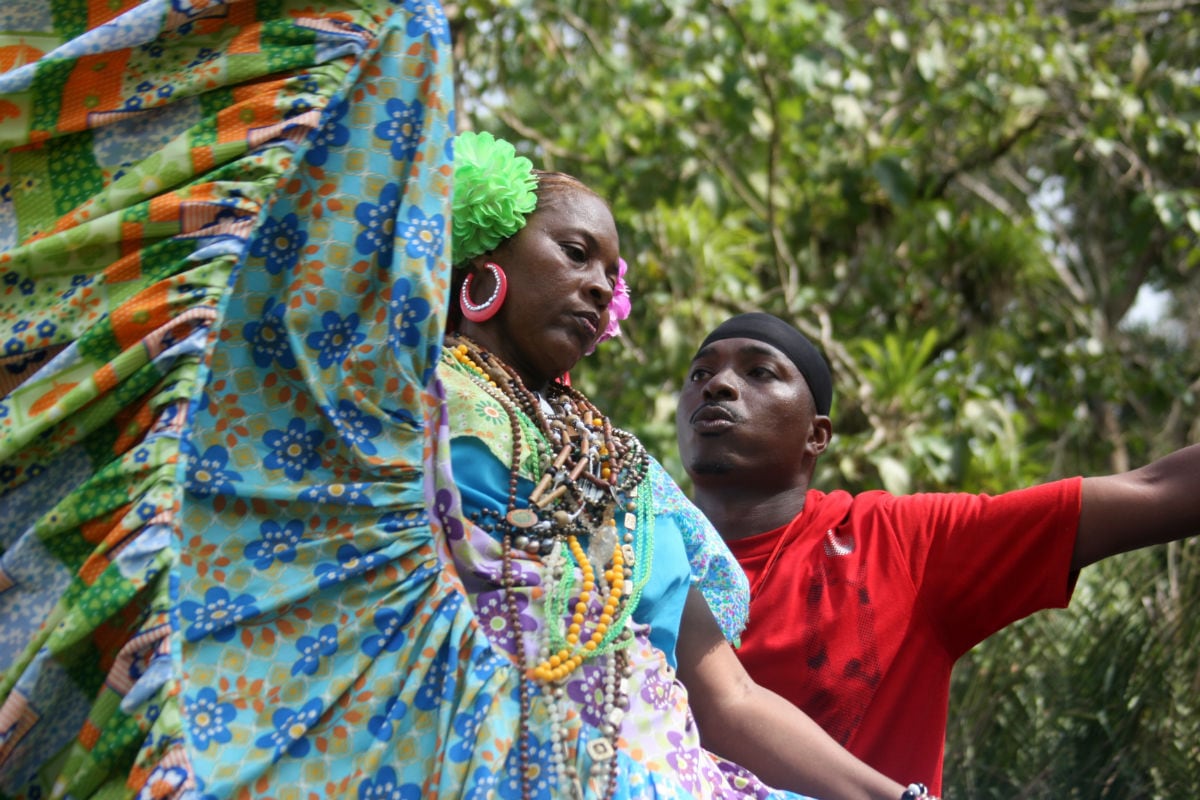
(478, 266)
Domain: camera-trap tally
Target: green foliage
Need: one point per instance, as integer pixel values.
(1039, 714)
(961, 202)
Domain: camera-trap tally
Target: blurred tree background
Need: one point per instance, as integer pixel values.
(987, 214)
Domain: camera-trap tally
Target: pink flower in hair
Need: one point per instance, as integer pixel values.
(620, 306)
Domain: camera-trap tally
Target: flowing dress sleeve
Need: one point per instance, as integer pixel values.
(223, 250)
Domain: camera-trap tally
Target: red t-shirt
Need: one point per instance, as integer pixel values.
(872, 598)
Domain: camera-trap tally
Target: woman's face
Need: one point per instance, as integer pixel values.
(561, 269)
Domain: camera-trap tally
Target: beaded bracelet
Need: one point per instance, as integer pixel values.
(917, 791)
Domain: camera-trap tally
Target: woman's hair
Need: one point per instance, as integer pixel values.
(551, 184)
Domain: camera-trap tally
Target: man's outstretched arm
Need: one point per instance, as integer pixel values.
(1157, 503)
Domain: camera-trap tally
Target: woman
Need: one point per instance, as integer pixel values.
(551, 492)
(534, 294)
(239, 289)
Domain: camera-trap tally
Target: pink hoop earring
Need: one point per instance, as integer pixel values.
(487, 309)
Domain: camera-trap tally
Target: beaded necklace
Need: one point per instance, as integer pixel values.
(590, 475)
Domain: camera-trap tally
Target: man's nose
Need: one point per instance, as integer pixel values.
(720, 386)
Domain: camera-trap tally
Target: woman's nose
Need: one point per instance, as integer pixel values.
(598, 285)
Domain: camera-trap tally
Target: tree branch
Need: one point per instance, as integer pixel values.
(1161, 6)
(985, 157)
(785, 266)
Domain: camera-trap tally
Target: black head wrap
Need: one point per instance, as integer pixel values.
(787, 340)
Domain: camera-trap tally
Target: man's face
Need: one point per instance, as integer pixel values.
(745, 410)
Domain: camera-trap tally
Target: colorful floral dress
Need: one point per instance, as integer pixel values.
(231, 543)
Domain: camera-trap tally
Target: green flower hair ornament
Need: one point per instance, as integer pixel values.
(493, 193)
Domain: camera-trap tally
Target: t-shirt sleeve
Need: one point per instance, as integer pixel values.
(981, 562)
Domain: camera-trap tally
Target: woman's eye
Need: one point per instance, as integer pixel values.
(575, 253)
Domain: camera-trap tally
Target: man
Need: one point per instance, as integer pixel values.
(860, 605)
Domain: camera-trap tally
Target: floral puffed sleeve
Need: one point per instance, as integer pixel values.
(715, 572)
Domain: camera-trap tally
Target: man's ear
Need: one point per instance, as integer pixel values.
(819, 434)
